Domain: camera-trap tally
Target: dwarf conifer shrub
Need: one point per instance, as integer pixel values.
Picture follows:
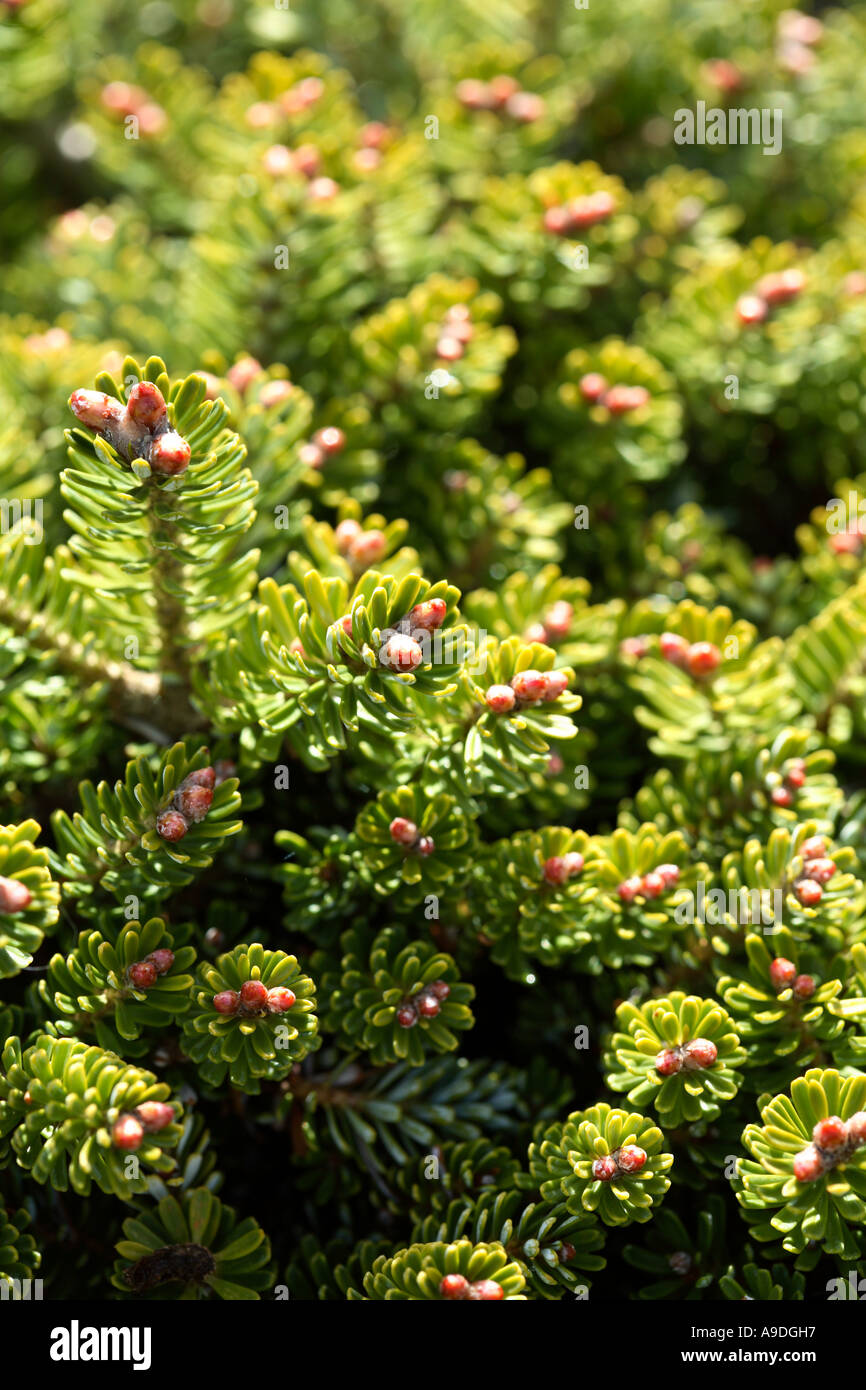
(432, 652)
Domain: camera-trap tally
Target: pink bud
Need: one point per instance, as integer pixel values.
(821, 870)
(154, 1115)
(529, 685)
(96, 410)
(808, 1165)
(403, 831)
(244, 371)
(171, 826)
(605, 1168)
(226, 1002)
(751, 309)
(368, 547)
(631, 1159)
(15, 896)
(428, 615)
(322, 190)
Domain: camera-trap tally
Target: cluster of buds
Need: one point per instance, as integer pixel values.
(797, 35)
(144, 973)
(123, 99)
(455, 332)
(783, 786)
(316, 451)
(15, 896)
(279, 161)
(372, 139)
(833, 1141)
(190, 804)
(622, 1163)
(579, 214)
(457, 1287)
(139, 429)
(427, 1004)
(849, 541)
(554, 624)
(150, 1117)
(618, 399)
(650, 885)
(502, 93)
(406, 834)
(402, 649)
(562, 868)
(817, 870)
(783, 975)
(253, 1000)
(777, 288)
(700, 659)
(361, 548)
(302, 95)
(52, 340)
(527, 688)
(696, 1055)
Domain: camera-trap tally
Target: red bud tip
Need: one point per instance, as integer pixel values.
(604, 1169)
(142, 974)
(782, 973)
(529, 685)
(630, 1158)
(170, 454)
(500, 698)
(629, 889)
(254, 994)
(821, 870)
(401, 653)
(127, 1133)
(94, 409)
(703, 658)
(809, 892)
(674, 648)
(145, 404)
(193, 802)
(330, 440)
(830, 1134)
(226, 1002)
(162, 960)
(171, 826)
(280, 1000)
(428, 615)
